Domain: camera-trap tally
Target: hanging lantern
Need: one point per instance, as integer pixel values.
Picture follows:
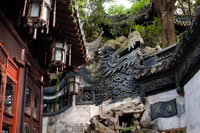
(74, 84)
(38, 14)
(59, 53)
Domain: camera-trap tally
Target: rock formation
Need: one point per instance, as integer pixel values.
(124, 118)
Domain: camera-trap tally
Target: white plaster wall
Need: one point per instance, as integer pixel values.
(44, 124)
(192, 104)
(76, 118)
(108, 105)
(177, 121)
(73, 120)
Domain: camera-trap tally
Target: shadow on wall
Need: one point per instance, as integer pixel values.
(64, 127)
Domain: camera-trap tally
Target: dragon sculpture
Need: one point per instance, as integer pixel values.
(116, 69)
(127, 52)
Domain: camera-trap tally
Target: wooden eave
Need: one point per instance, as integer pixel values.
(68, 29)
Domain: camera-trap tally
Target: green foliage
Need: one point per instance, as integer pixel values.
(58, 77)
(93, 15)
(137, 5)
(117, 10)
(54, 76)
(120, 9)
(128, 129)
(151, 33)
(117, 30)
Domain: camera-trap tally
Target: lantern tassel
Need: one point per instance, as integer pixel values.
(56, 70)
(35, 33)
(70, 55)
(30, 30)
(45, 59)
(47, 25)
(47, 31)
(62, 68)
(24, 10)
(54, 14)
(19, 18)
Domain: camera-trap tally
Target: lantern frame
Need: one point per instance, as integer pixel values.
(74, 82)
(38, 20)
(62, 47)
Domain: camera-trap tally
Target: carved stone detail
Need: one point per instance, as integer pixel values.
(158, 83)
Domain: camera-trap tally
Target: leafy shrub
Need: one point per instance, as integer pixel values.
(117, 10)
(128, 129)
(151, 33)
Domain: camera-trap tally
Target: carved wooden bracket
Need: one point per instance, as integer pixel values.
(19, 62)
(28, 64)
(41, 82)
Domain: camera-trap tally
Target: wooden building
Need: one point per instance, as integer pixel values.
(28, 52)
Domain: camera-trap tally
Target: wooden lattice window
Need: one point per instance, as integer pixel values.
(26, 127)
(6, 128)
(34, 130)
(27, 105)
(9, 96)
(35, 107)
(31, 104)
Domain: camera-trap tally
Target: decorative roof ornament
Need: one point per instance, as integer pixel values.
(92, 47)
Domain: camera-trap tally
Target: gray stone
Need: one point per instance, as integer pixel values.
(109, 121)
(147, 124)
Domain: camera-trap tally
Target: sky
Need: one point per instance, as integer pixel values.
(126, 3)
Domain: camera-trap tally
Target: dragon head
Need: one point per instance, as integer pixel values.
(122, 54)
(134, 40)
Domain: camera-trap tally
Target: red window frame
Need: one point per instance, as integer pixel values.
(14, 73)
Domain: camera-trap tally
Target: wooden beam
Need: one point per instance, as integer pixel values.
(72, 40)
(64, 2)
(78, 62)
(67, 10)
(78, 52)
(72, 29)
(66, 17)
(71, 35)
(65, 21)
(77, 48)
(78, 56)
(75, 40)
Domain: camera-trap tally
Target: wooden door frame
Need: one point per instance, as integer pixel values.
(4, 79)
(16, 80)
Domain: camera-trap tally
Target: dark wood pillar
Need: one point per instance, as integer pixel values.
(41, 107)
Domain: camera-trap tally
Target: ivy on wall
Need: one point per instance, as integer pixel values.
(56, 77)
